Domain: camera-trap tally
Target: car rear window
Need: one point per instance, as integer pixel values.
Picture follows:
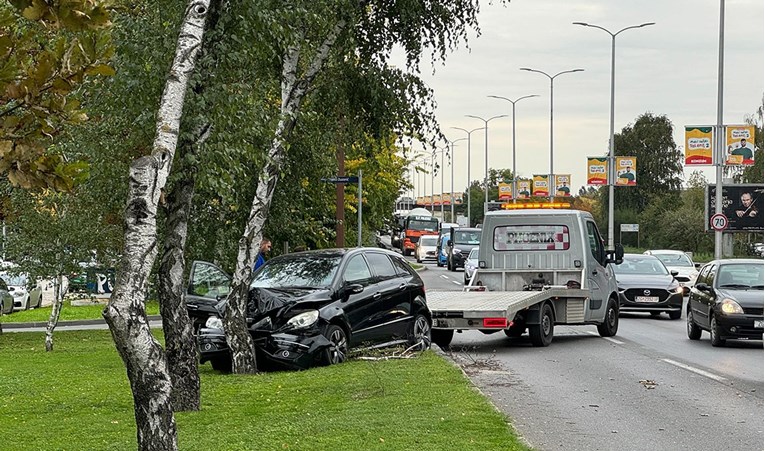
(531, 238)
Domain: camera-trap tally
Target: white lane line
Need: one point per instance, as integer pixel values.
(444, 276)
(455, 282)
(695, 370)
(612, 340)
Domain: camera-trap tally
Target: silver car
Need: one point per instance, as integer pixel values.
(471, 264)
(26, 293)
(6, 300)
(678, 261)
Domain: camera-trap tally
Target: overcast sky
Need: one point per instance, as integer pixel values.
(670, 68)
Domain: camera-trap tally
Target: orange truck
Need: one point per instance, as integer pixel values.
(415, 226)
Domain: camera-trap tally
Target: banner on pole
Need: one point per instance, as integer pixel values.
(505, 191)
(523, 188)
(698, 145)
(625, 171)
(739, 145)
(541, 186)
(563, 185)
(597, 170)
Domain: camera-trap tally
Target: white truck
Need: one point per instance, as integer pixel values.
(536, 268)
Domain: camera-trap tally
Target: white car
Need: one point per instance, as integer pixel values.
(25, 294)
(471, 264)
(680, 262)
(426, 248)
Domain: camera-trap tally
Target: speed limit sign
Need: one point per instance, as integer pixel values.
(718, 222)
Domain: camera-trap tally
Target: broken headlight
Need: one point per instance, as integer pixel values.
(303, 320)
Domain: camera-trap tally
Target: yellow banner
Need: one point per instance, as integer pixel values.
(523, 188)
(505, 191)
(563, 185)
(739, 145)
(625, 171)
(540, 186)
(437, 199)
(597, 171)
(698, 146)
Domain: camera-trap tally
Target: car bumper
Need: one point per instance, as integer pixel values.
(458, 261)
(278, 351)
(740, 326)
(18, 303)
(673, 303)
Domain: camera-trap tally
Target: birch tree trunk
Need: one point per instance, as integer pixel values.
(294, 89)
(126, 311)
(55, 312)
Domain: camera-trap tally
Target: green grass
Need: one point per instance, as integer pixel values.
(78, 398)
(68, 312)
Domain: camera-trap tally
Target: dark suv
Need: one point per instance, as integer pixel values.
(463, 240)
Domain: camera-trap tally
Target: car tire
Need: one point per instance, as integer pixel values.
(611, 321)
(714, 332)
(221, 364)
(442, 337)
(542, 334)
(338, 351)
(694, 331)
(419, 333)
(675, 315)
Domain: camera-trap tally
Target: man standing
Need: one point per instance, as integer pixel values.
(743, 151)
(265, 247)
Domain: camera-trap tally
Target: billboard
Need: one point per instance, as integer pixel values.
(563, 185)
(597, 170)
(625, 171)
(540, 186)
(739, 145)
(524, 188)
(741, 204)
(698, 145)
(505, 191)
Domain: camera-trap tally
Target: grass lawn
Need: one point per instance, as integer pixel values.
(68, 312)
(78, 398)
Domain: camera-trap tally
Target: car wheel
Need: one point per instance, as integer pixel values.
(221, 364)
(542, 334)
(694, 331)
(611, 322)
(442, 337)
(675, 315)
(419, 334)
(714, 333)
(338, 350)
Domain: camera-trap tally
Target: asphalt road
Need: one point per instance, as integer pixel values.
(648, 388)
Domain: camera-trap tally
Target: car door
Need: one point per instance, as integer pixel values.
(391, 320)
(359, 306)
(597, 274)
(707, 297)
(207, 284)
(6, 300)
(695, 297)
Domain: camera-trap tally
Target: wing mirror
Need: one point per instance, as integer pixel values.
(353, 288)
(674, 273)
(703, 287)
(616, 256)
(450, 243)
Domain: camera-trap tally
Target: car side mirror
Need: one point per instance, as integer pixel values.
(616, 256)
(697, 265)
(450, 243)
(353, 288)
(703, 287)
(674, 273)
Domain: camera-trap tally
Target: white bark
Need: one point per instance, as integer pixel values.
(55, 312)
(126, 312)
(294, 89)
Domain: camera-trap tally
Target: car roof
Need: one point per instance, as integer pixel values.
(639, 256)
(538, 211)
(733, 261)
(664, 251)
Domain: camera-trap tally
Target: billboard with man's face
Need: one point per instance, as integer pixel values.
(741, 204)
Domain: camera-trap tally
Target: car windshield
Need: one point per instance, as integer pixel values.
(313, 271)
(473, 254)
(429, 240)
(465, 237)
(424, 224)
(740, 275)
(675, 259)
(641, 266)
(15, 281)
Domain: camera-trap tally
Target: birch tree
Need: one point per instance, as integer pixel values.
(125, 314)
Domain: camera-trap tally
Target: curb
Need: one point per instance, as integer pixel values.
(78, 322)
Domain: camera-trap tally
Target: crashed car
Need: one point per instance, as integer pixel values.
(310, 308)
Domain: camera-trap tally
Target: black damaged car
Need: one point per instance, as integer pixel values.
(311, 308)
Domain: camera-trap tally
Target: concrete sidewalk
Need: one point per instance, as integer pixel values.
(41, 326)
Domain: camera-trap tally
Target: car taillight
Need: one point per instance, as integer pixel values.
(500, 323)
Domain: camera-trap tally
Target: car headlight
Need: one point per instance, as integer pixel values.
(675, 288)
(729, 307)
(18, 293)
(214, 322)
(456, 251)
(303, 320)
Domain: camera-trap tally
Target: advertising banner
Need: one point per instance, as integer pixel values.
(437, 199)
(698, 145)
(625, 171)
(741, 204)
(505, 191)
(524, 188)
(563, 185)
(420, 200)
(597, 170)
(457, 198)
(739, 145)
(541, 186)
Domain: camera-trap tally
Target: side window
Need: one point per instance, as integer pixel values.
(402, 267)
(594, 239)
(3, 286)
(382, 265)
(712, 275)
(357, 271)
(208, 281)
(703, 275)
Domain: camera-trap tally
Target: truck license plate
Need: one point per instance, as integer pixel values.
(646, 299)
(758, 324)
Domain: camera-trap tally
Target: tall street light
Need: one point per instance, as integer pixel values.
(469, 132)
(486, 152)
(451, 163)
(611, 158)
(550, 181)
(515, 173)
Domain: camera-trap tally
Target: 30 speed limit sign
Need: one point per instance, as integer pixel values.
(718, 222)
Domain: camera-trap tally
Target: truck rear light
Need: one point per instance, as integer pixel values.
(499, 323)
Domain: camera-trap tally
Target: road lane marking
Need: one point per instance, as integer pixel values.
(458, 283)
(444, 276)
(612, 340)
(695, 370)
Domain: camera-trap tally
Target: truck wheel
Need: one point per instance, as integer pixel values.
(611, 322)
(442, 337)
(542, 334)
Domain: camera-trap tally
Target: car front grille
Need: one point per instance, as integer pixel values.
(632, 292)
(683, 279)
(753, 311)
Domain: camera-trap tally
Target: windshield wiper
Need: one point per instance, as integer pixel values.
(758, 287)
(735, 285)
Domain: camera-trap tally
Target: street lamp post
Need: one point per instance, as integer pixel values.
(486, 152)
(550, 180)
(515, 173)
(611, 157)
(469, 132)
(451, 163)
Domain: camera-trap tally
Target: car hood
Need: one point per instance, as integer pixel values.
(683, 270)
(745, 298)
(276, 302)
(627, 281)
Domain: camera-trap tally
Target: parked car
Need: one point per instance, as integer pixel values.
(462, 241)
(470, 265)
(26, 293)
(312, 307)
(727, 301)
(426, 248)
(646, 285)
(678, 261)
(6, 300)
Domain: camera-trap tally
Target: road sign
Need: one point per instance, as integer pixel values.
(718, 222)
(630, 227)
(348, 179)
